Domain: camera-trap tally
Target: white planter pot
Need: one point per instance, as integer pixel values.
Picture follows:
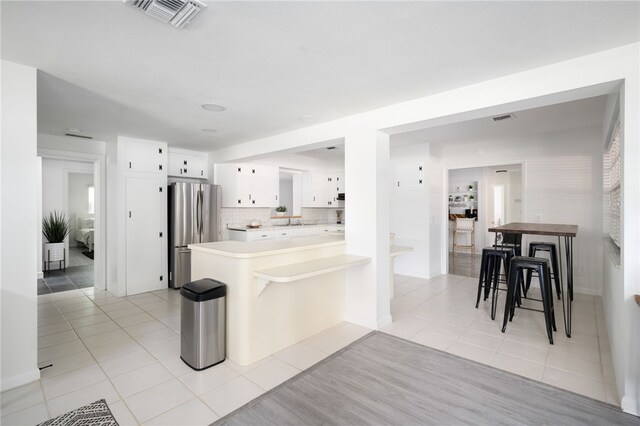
(53, 252)
(280, 213)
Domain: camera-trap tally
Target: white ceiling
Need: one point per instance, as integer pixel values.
(578, 114)
(109, 69)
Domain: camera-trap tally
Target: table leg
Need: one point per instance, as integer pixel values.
(566, 307)
(568, 243)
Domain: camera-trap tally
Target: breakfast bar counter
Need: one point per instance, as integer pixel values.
(279, 292)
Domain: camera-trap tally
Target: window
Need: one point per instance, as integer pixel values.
(612, 186)
(91, 199)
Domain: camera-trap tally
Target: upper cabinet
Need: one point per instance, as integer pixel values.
(145, 156)
(321, 189)
(408, 175)
(188, 164)
(248, 185)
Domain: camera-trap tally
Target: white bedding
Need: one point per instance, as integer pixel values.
(85, 236)
(84, 231)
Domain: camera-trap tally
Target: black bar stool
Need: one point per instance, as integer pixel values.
(518, 266)
(550, 248)
(513, 241)
(490, 277)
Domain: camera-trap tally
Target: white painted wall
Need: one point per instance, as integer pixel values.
(18, 226)
(409, 216)
(55, 189)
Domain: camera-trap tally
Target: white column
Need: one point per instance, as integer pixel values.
(367, 227)
(19, 226)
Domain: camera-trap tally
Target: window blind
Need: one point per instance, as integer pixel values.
(612, 185)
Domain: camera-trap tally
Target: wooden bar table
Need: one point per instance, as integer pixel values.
(566, 232)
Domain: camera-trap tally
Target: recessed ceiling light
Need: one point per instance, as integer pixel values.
(307, 119)
(331, 147)
(213, 107)
(209, 130)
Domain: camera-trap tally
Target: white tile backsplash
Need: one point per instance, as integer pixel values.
(242, 217)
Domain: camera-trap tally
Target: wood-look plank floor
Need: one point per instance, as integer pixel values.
(385, 380)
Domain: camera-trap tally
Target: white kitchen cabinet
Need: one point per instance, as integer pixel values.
(193, 165)
(248, 185)
(136, 215)
(408, 175)
(321, 189)
(248, 236)
(145, 156)
(145, 223)
(317, 189)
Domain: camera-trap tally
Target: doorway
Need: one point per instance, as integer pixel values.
(492, 196)
(68, 188)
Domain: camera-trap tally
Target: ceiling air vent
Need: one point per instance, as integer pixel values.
(503, 117)
(75, 135)
(176, 12)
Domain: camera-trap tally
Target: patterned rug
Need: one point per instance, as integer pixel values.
(95, 414)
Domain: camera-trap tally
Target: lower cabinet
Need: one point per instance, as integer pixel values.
(283, 233)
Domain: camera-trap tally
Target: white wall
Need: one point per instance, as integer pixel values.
(78, 204)
(19, 226)
(55, 188)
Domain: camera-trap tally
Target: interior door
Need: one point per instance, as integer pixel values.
(144, 243)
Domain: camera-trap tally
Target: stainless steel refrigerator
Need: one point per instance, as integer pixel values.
(194, 217)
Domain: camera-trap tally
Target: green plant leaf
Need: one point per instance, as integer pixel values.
(55, 227)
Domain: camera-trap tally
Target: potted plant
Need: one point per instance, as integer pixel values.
(472, 197)
(281, 210)
(470, 187)
(55, 229)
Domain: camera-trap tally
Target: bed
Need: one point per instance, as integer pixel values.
(84, 230)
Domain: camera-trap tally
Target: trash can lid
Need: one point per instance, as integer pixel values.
(203, 290)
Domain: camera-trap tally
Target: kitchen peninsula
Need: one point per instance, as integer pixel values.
(279, 292)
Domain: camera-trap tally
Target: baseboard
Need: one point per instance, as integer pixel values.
(19, 380)
(362, 322)
(39, 275)
(629, 405)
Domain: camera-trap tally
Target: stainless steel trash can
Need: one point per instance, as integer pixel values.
(203, 325)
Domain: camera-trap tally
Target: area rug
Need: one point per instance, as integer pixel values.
(384, 380)
(95, 414)
(89, 254)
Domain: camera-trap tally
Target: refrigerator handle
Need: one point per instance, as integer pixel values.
(201, 219)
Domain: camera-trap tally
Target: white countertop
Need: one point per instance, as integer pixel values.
(272, 228)
(244, 250)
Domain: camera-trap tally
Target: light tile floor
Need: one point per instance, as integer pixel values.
(441, 313)
(126, 350)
